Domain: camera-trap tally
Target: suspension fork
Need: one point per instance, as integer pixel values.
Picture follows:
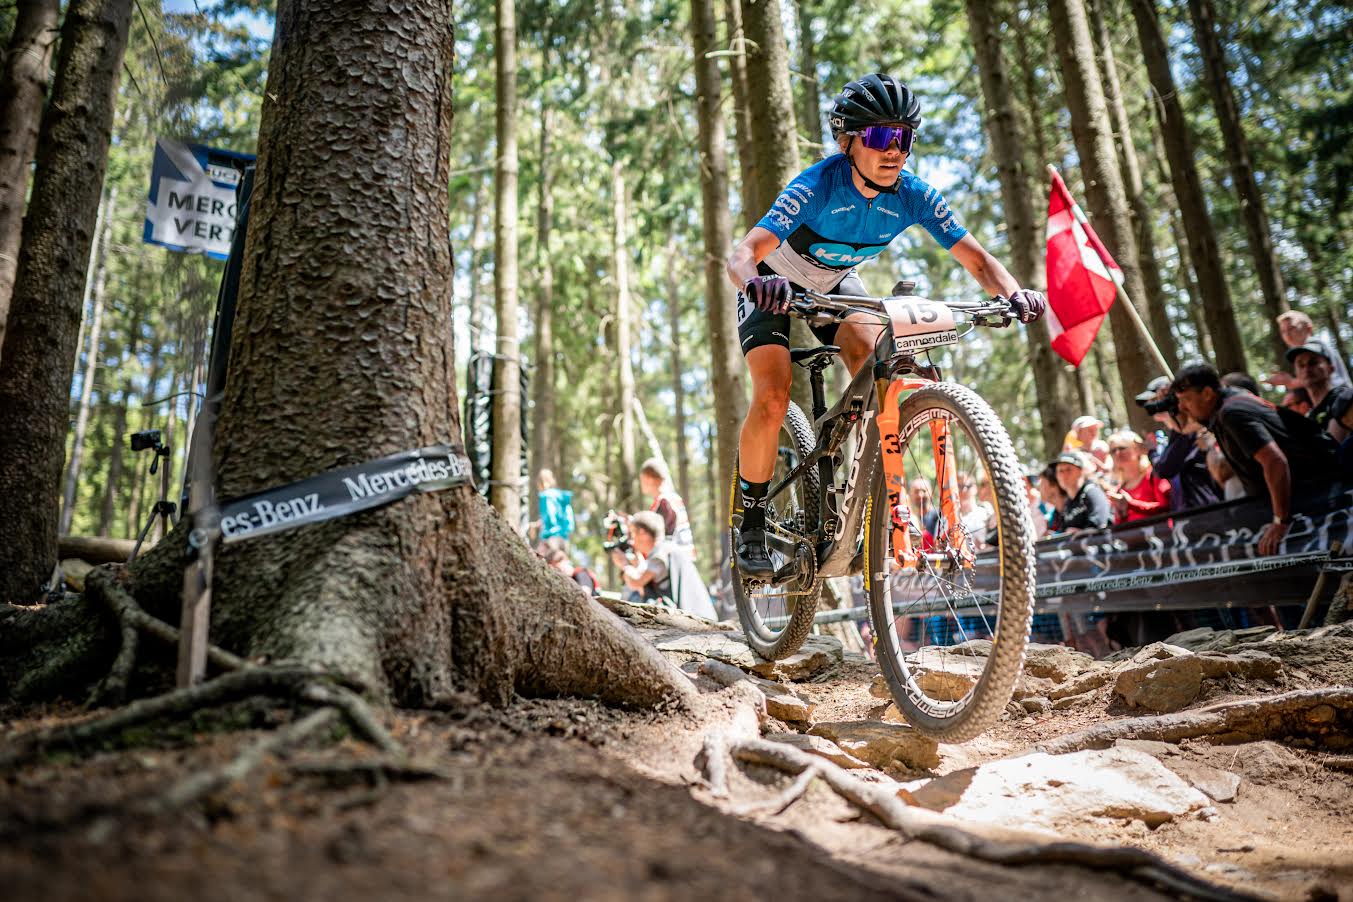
(894, 470)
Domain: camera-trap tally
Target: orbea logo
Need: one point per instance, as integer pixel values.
(843, 254)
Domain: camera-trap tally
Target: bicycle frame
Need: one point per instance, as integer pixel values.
(837, 524)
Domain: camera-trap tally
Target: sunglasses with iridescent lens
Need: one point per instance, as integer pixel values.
(881, 137)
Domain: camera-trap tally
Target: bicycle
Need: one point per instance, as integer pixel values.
(923, 579)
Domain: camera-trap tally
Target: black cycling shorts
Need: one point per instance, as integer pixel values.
(757, 328)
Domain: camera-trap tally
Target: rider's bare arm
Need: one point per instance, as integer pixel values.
(750, 251)
(986, 269)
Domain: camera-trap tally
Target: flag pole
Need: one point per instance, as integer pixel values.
(1077, 212)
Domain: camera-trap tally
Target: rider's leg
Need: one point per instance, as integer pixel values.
(757, 447)
(760, 438)
(856, 337)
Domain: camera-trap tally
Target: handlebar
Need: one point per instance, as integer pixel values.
(994, 312)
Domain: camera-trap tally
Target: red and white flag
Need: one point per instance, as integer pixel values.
(1082, 277)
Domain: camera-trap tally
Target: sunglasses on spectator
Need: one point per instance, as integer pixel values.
(1122, 448)
(881, 137)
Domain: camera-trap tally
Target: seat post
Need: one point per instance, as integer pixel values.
(819, 392)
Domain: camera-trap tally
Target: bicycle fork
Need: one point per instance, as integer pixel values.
(895, 477)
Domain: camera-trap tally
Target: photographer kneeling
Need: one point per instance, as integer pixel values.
(1272, 450)
(660, 569)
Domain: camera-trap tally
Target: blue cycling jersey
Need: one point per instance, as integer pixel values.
(827, 227)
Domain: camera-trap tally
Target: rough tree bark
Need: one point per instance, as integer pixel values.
(1009, 148)
(625, 462)
(505, 470)
(1106, 197)
(729, 375)
(1237, 146)
(92, 360)
(742, 113)
(341, 355)
(1218, 312)
(40, 345)
(1154, 299)
(810, 98)
(23, 86)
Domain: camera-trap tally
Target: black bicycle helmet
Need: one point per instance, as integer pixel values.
(874, 100)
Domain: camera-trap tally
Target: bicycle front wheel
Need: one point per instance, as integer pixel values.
(951, 620)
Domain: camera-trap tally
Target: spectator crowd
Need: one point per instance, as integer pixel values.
(1219, 439)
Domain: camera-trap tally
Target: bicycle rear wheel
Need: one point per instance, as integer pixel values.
(951, 629)
(774, 620)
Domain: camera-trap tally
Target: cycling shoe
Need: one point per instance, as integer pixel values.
(751, 555)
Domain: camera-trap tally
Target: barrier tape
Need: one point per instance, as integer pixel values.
(338, 493)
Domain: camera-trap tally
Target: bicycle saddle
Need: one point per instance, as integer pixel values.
(812, 358)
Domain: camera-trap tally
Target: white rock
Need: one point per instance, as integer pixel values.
(1048, 792)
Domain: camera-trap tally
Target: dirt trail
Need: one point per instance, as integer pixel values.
(570, 800)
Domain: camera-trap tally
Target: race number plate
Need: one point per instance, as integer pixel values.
(919, 324)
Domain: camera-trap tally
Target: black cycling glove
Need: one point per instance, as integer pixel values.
(770, 294)
(1026, 305)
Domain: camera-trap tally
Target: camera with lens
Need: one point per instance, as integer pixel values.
(1168, 404)
(617, 535)
(150, 439)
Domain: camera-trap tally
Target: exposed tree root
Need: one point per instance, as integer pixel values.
(102, 584)
(1325, 715)
(954, 836)
(358, 712)
(280, 681)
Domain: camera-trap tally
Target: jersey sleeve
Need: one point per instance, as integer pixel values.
(797, 203)
(931, 210)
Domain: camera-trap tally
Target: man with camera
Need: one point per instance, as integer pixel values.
(660, 569)
(1180, 460)
(1272, 450)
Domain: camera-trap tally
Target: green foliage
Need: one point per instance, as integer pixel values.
(617, 80)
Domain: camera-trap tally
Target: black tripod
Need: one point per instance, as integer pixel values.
(150, 440)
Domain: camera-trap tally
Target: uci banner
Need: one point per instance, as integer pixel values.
(191, 206)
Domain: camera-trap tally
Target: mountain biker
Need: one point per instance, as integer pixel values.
(834, 215)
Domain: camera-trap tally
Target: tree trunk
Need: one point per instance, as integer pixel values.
(625, 463)
(92, 361)
(505, 485)
(773, 138)
(108, 508)
(1242, 168)
(478, 264)
(728, 374)
(771, 101)
(542, 414)
(682, 474)
(340, 356)
(1188, 190)
(1183, 269)
(742, 113)
(23, 86)
(44, 317)
(1107, 199)
(1009, 148)
(1154, 299)
(810, 98)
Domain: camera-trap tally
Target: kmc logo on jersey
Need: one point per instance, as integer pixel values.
(843, 254)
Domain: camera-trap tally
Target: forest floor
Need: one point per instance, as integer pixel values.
(568, 799)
